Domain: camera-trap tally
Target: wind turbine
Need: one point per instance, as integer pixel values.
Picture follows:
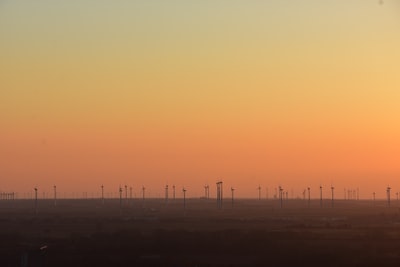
(184, 198)
(232, 191)
(332, 189)
(259, 192)
(388, 195)
(281, 196)
(102, 194)
(36, 200)
(320, 195)
(309, 196)
(143, 192)
(126, 195)
(120, 199)
(219, 194)
(173, 191)
(207, 191)
(166, 194)
(55, 195)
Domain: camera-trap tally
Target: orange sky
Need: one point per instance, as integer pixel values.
(291, 94)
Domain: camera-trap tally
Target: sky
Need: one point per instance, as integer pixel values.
(269, 93)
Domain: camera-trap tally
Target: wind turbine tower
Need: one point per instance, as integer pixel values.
(219, 194)
(36, 201)
(120, 199)
(55, 195)
(166, 194)
(126, 195)
(388, 195)
(309, 196)
(232, 191)
(320, 195)
(207, 191)
(184, 198)
(102, 194)
(259, 192)
(281, 196)
(332, 189)
(143, 193)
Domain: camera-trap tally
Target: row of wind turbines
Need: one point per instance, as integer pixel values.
(126, 194)
(280, 194)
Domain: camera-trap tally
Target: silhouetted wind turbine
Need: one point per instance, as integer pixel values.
(232, 190)
(166, 194)
(281, 196)
(173, 191)
(143, 192)
(207, 191)
(184, 198)
(36, 201)
(120, 199)
(388, 195)
(332, 189)
(320, 195)
(309, 196)
(126, 195)
(259, 192)
(55, 195)
(102, 194)
(219, 194)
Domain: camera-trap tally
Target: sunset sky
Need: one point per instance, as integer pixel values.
(290, 93)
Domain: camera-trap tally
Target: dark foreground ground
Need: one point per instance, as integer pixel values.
(252, 233)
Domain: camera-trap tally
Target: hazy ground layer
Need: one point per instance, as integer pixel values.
(155, 233)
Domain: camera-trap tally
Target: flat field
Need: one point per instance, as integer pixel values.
(84, 232)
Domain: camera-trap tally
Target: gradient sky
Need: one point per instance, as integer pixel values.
(291, 93)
